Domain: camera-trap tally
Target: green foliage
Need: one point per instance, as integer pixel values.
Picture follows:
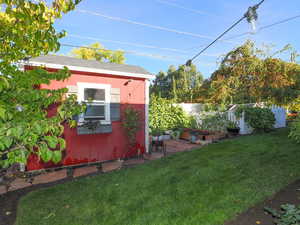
(97, 52)
(232, 125)
(178, 84)
(27, 27)
(294, 105)
(295, 130)
(26, 126)
(164, 115)
(260, 119)
(248, 74)
(214, 121)
(131, 123)
(289, 215)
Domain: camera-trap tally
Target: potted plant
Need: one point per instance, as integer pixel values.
(233, 128)
(175, 134)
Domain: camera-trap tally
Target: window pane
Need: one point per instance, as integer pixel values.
(94, 94)
(97, 111)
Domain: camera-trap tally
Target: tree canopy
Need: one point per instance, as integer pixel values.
(178, 83)
(97, 52)
(248, 74)
(26, 127)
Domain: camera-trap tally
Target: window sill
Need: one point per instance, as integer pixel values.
(96, 127)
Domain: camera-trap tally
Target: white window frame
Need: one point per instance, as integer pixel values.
(106, 103)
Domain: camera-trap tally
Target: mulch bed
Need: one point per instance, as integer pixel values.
(256, 215)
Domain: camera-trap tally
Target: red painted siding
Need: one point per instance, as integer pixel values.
(99, 147)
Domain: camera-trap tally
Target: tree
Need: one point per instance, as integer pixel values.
(248, 75)
(26, 127)
(178, 84)
(97, 52)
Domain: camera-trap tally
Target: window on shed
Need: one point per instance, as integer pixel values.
(97, 99)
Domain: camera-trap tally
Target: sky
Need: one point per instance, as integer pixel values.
(155, 34)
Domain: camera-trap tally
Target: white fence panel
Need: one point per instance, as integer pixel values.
(197, 110)
(280, 116)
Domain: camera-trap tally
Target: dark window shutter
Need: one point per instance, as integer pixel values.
(115, 104)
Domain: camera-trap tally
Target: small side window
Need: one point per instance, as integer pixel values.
(97, 99)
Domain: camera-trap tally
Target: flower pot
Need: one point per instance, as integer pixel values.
(185, 135)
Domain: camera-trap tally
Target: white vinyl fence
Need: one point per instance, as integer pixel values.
(198, 109)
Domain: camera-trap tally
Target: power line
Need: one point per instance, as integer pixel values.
(265, 27)
(249, 15)
(183, 7)
(259, 29)
(134, 44)
(156, 56)
(127, 43)
(280, 22)
(148, 25)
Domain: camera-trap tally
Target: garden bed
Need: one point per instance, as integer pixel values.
(201, 135)
(257, 215)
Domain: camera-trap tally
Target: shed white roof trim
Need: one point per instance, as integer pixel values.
(93, 66)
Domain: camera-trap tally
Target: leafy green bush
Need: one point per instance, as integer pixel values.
(289, 215)
(295, 130)
(232, 125)
(131, 123)
(214, 121)
(163, 115)
(260, 119)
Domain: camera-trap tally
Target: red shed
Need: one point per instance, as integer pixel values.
(112, 88)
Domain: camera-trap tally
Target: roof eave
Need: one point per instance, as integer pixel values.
(91, 70)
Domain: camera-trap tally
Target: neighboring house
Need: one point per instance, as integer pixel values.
(112, 87)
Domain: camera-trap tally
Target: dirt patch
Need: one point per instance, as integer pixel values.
(256, 214)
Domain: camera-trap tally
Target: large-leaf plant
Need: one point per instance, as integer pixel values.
(27, 125)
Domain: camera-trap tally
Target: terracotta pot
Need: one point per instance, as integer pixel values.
(185, 135)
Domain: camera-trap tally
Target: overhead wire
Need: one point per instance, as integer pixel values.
(183, 7)
(254, 33)
(179, 50)
(250, 13)
(148, 25)
(133, 44)
(156, 56)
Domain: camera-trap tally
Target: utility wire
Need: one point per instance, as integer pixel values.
(179, 50)
(183, 7)
(264, 27)
(135, 44)
(251, 12)
(156, 56)
(259, 30)
(148, 25)
(127, 43)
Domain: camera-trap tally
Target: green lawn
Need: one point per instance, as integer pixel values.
(206, 186)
